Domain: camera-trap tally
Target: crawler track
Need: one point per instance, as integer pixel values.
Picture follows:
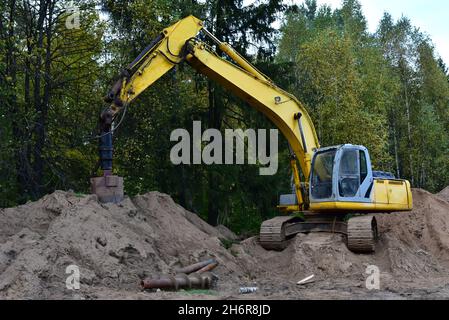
(272, 233)
(361, 231)
(362, 234)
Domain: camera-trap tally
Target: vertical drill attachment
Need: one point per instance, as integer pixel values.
(108, 188)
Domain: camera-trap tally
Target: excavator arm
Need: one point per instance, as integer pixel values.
(339, 179)
(179, 43)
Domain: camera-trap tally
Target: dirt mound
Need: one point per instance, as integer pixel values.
(425, 229)
(444, 194)
(413, 246)
(115, 246)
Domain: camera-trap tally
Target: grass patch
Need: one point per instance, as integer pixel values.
(226, 243)
(299, 215)
(201, 291)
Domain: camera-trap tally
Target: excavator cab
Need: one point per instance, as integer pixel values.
(341, 182)
(342, 179)
(341, 173)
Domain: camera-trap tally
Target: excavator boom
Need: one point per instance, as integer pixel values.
(178, 43)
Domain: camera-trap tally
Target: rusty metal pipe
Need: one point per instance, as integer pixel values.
(200, 281)
(209, 267)
(195, 267)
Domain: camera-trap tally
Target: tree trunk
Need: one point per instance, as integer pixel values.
(22, 135)
(214, 122)
(409, 136)
(17, 124)
(41, 101)
(212, 207)
(216, 107)
(185, 195)
(396, 153)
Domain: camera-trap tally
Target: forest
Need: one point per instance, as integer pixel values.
(387, 90)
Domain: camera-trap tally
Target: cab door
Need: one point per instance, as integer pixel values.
(366, 175)
(354, 175)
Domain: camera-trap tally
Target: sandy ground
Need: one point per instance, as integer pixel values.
(115, 246)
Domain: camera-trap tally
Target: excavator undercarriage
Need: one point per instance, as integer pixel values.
(360, 231)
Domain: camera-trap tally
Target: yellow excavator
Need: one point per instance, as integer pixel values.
(340, 192)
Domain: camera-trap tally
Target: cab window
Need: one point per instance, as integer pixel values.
(363, 166)
(323, 167)
(349, 175)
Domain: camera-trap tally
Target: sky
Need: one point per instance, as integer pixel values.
(430, 16)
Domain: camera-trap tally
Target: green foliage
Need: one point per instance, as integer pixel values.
(52, 74)
(418, 115)
(386, 91)
(201, 291)
(226, 243)
(340, 75)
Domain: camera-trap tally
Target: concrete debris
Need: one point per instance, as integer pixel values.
(307, 280)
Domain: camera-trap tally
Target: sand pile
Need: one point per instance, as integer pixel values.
(444, 194)
(424, 230)
(114, 245)
(413, 246)
(117, 245)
